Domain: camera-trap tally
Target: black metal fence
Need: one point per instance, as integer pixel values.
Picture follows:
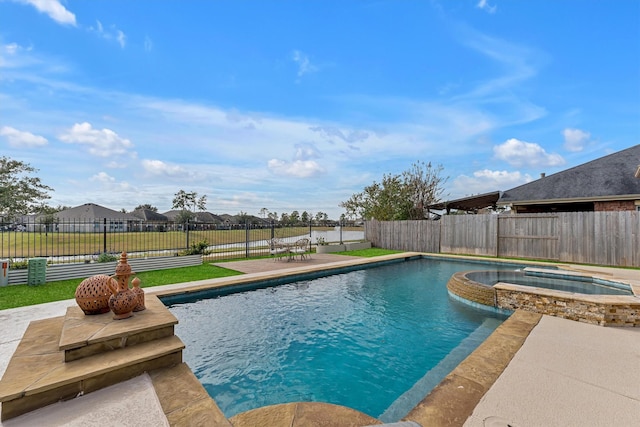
(94, 240)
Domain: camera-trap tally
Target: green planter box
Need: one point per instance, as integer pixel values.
(37, 272)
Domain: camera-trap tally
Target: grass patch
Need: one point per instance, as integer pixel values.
(24, 295)
(368, 253)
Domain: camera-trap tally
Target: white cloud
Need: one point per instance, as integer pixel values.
(347, 136)
(521, 153)
(13, 55)
(297, 168)
(21, 139)
(102, 177)
(304, 64)
(54, 9)
(575, 139)
(101, 143)
(110, 182)
(121, 38)
(158, 167)
(484, 5)
(485, 180)
(111, 33)
(148, 44)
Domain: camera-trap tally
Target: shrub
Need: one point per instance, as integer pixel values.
(107, 257)
(19, 265)
(197, 248)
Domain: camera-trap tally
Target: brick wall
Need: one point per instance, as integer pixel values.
(620, 205)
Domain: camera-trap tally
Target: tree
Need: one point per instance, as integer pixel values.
(243, 217)
(425, 187)
(322, 218)
(47, 216)
(20, 193)
(399, 197)
(264, 212)
(294, 218)
(146, 206)
(188, 203)
(305, 217)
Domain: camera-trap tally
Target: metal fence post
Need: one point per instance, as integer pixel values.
(187, 225)
(246, 239)
(104, 235)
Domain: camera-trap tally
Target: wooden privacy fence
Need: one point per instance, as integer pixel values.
(602, 238)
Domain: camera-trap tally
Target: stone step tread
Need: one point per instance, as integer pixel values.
(80, 330)
(29, 373)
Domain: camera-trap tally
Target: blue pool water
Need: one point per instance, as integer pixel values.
(376, 340)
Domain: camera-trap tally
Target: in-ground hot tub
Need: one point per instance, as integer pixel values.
(552, 279)
(558, 293)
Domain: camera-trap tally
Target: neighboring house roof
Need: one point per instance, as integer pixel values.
(93, 211)
(226, 217)
(470, 203)
(610, 177)
(149, 215)
(171, 215)
(208, 217)
(205, 217)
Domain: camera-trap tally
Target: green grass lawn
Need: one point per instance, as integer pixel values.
(23, 295)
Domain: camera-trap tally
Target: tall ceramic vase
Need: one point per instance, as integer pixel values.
(123, 300)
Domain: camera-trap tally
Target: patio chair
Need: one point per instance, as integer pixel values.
(300, 248)
(277, 248)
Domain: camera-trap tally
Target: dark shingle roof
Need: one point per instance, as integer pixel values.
(149, 215)
(90, 211)
(608, 176)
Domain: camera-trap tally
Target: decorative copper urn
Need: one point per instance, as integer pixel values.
(123, 299)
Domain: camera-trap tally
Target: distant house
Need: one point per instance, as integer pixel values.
(610, 183)
(90, 218)
(152, 220)
(201, 220)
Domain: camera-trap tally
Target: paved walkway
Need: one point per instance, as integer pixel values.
(565, 374)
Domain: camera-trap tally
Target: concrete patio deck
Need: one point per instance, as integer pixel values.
(564, 373)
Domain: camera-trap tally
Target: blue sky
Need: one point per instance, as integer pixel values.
(297, 105)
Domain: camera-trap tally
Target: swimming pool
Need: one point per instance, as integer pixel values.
(376, 340)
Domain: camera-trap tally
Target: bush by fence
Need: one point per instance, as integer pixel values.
(602, 238)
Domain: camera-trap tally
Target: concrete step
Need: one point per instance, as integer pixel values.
(38, 375)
